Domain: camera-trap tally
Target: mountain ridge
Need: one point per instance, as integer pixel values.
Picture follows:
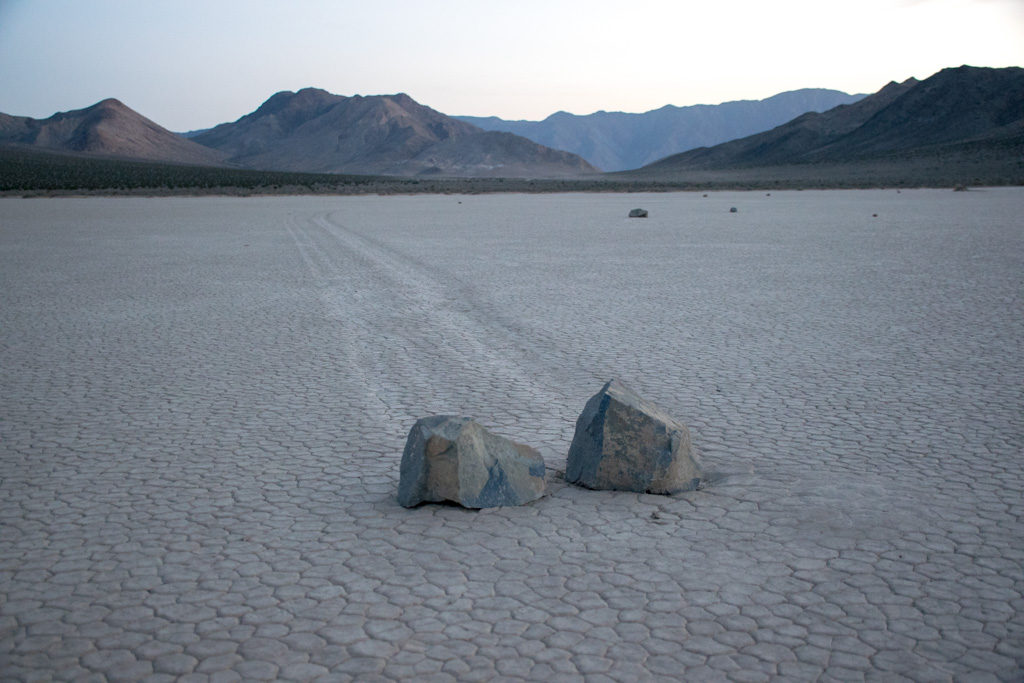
(617, 141)
(949, 112)
(312, 130)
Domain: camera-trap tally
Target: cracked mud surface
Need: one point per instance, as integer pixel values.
(204, 404)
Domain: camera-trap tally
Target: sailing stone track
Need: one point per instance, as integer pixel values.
(203, 404)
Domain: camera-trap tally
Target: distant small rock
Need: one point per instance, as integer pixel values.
(626, 443)
(455, 459)
(638, 213)
(732, 209)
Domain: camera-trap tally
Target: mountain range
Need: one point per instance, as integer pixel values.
(308, 131)
(313, 130)
(965, 122)
(964, 114)
(616, 141)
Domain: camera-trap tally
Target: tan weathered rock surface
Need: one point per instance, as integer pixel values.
(455, 459)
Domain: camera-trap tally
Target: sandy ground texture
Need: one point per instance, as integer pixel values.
(203, 404)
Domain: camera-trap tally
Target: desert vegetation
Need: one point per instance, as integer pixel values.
(25, 172)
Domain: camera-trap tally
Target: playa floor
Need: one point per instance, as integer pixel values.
(204, 401)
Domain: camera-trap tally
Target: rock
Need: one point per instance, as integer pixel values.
(732, 209)
(638, 213)
(626, 443)
(455, 459)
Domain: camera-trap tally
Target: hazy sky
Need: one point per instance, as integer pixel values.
(192, 64)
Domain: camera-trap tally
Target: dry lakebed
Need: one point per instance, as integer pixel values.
(204, 401)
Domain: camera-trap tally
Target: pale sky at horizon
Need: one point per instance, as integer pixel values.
(191, 64)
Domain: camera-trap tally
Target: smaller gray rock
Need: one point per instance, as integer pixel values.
(638, 213)
(455, 459)
(626, 443)
(732, 209)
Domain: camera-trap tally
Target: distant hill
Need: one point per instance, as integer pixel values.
(313, 130)
(106, 129)
(967, 116)
(616, 141)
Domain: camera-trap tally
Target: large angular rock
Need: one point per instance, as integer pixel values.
(625, 443)
(455, 459)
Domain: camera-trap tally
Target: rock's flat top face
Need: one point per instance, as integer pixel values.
(204, 402)
(455, 459)
(626, 443)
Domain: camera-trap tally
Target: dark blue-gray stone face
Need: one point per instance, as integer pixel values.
(626, 443)
(454, 459)
(587, 444)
